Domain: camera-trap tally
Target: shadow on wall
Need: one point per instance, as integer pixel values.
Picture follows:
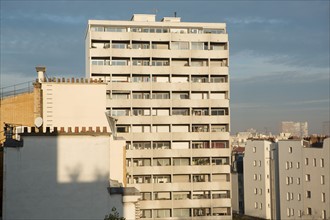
(58, 177)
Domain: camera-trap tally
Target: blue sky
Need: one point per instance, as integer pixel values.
(279, 50)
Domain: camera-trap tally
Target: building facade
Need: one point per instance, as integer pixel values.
(168, 88)
(258, 173)
(304, 180)
(296, 129)
(65, 175)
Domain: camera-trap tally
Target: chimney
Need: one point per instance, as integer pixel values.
(41, 70)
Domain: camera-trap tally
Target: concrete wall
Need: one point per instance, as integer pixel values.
(74, 104)
(257, 185)
(58, 177)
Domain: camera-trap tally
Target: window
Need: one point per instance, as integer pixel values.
(137, 78)
(183, 178)
(324, 215)
(146, 213)
(141, 162)
(214, 31)
(314, 162)
(298, 165)
(146, 195)
(321, 162)
(299, 197)
(142, 179)
(141, 112)
(181, 212)
(161, 162)
(141, 95)
(322, 179)
(220, 161)
(160, 63)
(197, 45)
(119, 45)
(115, 29)
(201, 111)
(201, 211)
(141, 145)
(308, 194)
(119, 62)
(161, 145)
(199, 95)
(199, 79)
(218, 128)
(200, 128)
(309, 211)
(201, 195)
(201, 178)
(181, 161)
(218, 111)
(255, 205)
(306, 161)
(140, 45)
(138, 62)
(254, 163)
(298, 181)
(181, 195)
(180, 95)
(120, 112)
(160, 128)
(161, 179)
(255, 176)
(162, 213)
(255, 191)
(97, 28)
(200, 144)
(219, 144)
(160, 95)
(254, 149)
(162, 195)
(141, 128)
(180, 111)
(122, 128)
(323, 197)
(218, 79)
(200, 161)
(180, 45)
(308, 177)
(290, 149)
(160, 112)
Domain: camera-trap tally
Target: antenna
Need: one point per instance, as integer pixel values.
(155, 10)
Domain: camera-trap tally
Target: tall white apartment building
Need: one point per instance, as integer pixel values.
(168, 89)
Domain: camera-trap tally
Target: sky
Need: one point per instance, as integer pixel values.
(279, 50)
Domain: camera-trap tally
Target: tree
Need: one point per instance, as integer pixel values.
(114, 215)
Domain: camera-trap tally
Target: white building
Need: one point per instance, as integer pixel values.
(288, 179)
(65, 175)
(168, 88)
(304, 179)
(259, 190)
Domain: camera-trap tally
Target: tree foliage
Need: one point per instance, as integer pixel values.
(114, 215)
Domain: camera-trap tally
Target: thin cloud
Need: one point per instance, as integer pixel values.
(254, 20)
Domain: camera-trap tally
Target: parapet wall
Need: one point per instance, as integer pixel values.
(72, 80)
(33, 131)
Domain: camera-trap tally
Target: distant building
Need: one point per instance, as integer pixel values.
(296, 129)
(326, 128)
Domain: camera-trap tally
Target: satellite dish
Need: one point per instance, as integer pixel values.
(38, 122)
